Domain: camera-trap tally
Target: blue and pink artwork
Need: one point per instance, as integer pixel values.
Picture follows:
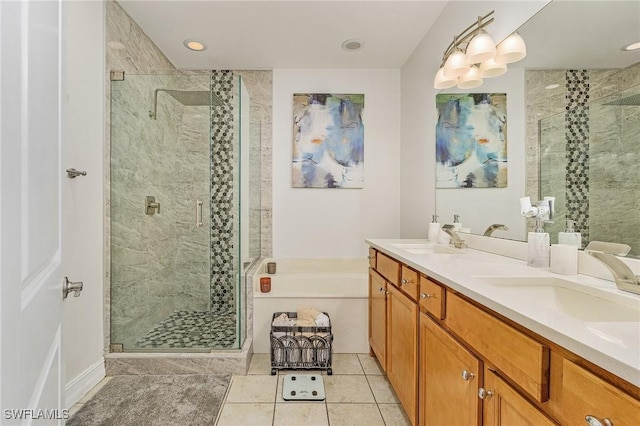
(328, 141)
(471, 140)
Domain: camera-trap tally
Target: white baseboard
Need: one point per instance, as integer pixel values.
(79, 386)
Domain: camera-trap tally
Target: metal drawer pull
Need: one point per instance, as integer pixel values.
(403, 281)
(484, 393)
(594, 421)
(425, 295)
(369, 257)
(467, 375)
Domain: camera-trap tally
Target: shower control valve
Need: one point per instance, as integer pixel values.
(151, 207)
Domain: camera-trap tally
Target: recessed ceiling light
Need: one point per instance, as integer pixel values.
(353, 44)
(194, 45)
(632, 46)
(552, 86)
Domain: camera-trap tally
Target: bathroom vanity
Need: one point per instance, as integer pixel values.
(469, 338)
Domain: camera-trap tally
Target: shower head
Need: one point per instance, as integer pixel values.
(187, 98)
(633, 100)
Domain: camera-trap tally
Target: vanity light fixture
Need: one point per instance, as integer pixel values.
(632, 46)
(194, 45)
(472, 56)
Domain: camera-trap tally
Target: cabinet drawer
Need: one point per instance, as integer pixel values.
(517, 355)
(388, 267)
(409, 282)
(372, 258)
(431, 297)
(585, 394)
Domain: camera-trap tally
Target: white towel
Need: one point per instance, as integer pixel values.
(322, 320)
(283, 320)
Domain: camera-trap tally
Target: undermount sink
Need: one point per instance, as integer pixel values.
(582, 302)
(425, 248)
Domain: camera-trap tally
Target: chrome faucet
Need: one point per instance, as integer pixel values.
(495, 227)
(455, 238)
(606, 253)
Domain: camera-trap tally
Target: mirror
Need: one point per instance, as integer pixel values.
(568, 105)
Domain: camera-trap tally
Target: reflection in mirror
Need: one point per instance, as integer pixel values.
(579, 143)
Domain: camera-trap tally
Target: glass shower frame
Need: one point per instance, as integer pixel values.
(148, 297)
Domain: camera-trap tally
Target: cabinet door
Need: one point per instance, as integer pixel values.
(402, 344)
(449, 379)
(504, 406)
(378, 317)
(585, 395)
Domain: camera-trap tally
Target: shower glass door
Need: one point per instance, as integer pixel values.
(162, 229)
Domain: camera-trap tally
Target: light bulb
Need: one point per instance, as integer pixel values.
(492, 68)
(511, 49)
(480, 48)
(471, 79)
(456, 64)
(442, 82)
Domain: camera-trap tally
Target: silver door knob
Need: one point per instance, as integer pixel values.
(484, 393)
(594, 421)
(467, 375)
(71, 286)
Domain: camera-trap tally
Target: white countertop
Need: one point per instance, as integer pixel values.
(612, 345)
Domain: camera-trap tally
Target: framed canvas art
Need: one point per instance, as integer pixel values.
(471, 140)
(328, 140)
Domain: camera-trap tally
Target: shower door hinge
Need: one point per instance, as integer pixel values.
(117, 75)
(116, 347)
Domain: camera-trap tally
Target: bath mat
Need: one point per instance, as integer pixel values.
(303, 387)
(154, 401)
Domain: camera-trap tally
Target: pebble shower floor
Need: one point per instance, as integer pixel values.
(192, 329)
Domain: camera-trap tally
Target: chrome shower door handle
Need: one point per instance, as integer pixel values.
(199, 214)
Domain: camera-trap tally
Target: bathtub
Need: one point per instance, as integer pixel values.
(339, 287)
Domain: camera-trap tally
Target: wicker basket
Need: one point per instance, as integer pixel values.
(300, 348)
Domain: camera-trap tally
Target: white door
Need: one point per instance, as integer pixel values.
(30, 213)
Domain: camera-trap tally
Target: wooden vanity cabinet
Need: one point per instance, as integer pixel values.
(393, 327)
(378, 317)
(504, 406)
(450, 376)
(432, 297)
(453, 361)
(585, 394)
(402, 349)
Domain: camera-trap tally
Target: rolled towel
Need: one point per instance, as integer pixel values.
(307, 316)
(322, 320)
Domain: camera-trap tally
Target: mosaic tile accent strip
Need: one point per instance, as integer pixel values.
(192, 329)
(223, 218)
(577, 153)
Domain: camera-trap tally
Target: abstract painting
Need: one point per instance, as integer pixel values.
(328, 141)
(471, 140)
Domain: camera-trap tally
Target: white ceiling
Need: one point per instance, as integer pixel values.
(244, 34)
(265, 34)
(582, 35)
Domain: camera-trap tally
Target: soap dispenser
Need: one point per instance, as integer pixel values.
(539, 248)
(434, 229)
(570, 236)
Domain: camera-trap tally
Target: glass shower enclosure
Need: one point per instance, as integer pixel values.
(176, 200)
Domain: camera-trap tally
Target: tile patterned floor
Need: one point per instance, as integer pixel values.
(192, 329)
(357, 393)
